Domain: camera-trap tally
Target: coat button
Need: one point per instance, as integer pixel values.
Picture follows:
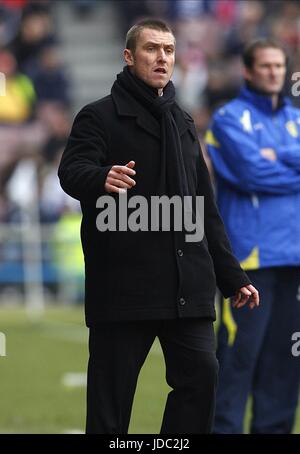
(180, 252)
(182, 301)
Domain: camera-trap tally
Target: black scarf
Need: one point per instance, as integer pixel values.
(172, 179)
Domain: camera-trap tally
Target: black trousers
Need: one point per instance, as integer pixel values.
(117, 353)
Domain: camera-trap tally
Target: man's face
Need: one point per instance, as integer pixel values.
(268, 71)
(154, 57)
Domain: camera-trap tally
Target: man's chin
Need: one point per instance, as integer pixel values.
(158, 86)
(273, 90)
(268, 92)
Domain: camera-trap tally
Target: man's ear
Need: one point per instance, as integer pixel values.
(128, 57)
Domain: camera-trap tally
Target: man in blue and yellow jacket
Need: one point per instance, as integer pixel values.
(254, 145)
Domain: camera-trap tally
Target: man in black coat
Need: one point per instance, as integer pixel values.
(144, 283)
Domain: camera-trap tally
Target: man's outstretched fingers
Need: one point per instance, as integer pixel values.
(119, 183)
(118, 178)
(130, 164)
(121, 177)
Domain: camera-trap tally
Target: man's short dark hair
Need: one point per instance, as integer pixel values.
(134, 32)
(261, 43)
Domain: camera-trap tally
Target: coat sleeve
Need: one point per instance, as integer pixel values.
(82, 171)
(229, 274)
(237, 159)
(290, 155)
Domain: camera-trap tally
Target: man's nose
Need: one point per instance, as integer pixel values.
(162, 54)
(274, 72)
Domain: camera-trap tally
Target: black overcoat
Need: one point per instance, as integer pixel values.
(143, 275)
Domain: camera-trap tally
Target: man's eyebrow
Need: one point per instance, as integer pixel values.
(151, 43)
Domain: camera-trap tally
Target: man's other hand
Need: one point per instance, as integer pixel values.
(244, 295)
(269, 154)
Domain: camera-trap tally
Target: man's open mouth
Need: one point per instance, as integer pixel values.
(160, 70)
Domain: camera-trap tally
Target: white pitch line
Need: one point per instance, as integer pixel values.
(74, 379)
(73, 432)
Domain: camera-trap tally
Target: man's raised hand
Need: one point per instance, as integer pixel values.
(118, 178)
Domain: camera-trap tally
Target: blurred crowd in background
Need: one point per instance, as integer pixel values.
(37, 110)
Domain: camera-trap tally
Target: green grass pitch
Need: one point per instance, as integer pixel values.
(36, 395)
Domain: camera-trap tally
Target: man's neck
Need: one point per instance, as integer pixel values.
(274, 97)
(275, 101)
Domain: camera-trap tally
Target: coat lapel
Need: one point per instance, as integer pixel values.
(149, 124)
(184, 121)
(129, 107)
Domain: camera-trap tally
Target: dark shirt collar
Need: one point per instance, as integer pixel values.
(262, 100)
